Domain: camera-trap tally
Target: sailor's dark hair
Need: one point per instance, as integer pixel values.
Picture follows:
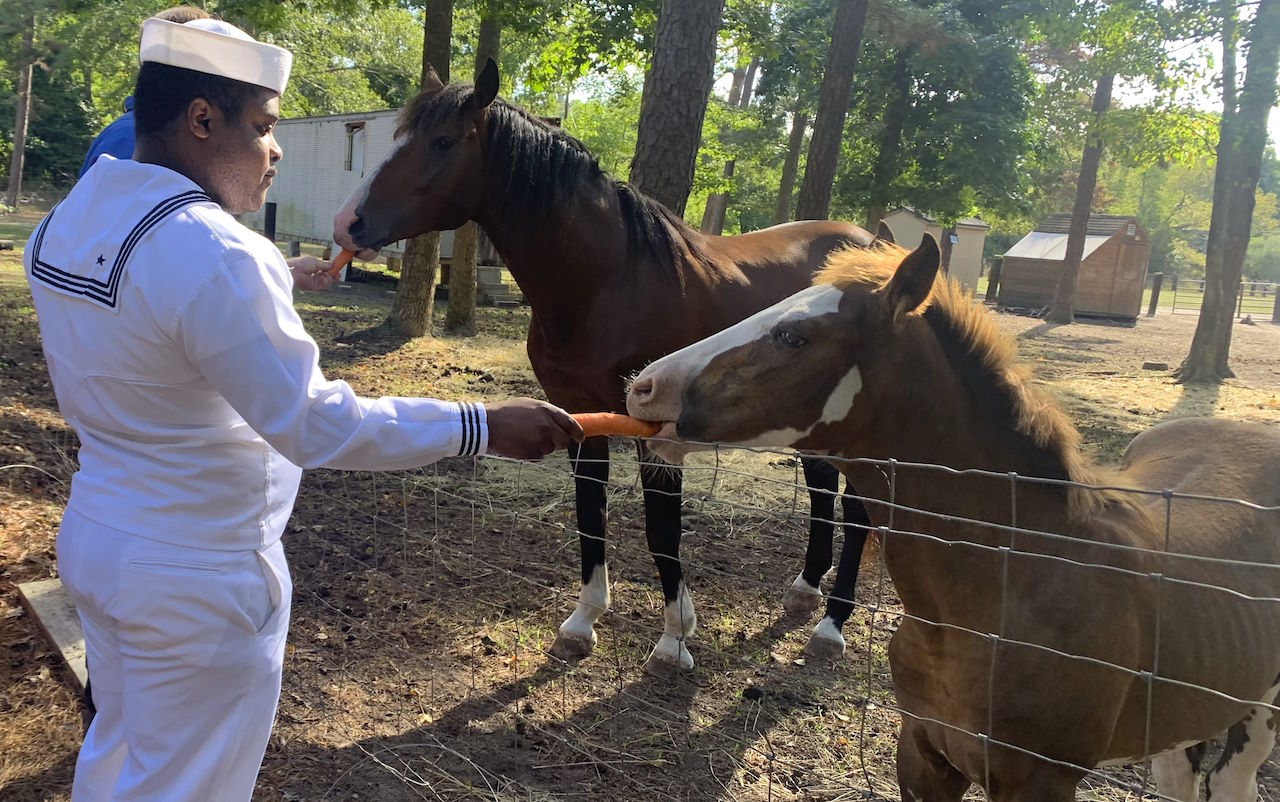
(164, 92)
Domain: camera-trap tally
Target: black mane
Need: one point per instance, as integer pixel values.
(541, 168)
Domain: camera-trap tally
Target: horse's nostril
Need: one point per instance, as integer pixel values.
(356, 228)
(643, 389)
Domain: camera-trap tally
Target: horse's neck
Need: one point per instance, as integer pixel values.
(949, 533)
(565, 259)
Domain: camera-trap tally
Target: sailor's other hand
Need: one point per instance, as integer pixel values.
(527, 429)
(310, 273)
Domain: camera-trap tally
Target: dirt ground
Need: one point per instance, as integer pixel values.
(425, 602)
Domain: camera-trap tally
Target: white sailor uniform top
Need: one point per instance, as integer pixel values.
(178, 358)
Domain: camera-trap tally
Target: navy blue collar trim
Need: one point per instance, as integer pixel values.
(100, 291)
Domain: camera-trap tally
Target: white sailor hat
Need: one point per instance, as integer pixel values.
(218, 48)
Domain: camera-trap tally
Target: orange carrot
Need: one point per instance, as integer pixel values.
(340, 261)
(598, 424)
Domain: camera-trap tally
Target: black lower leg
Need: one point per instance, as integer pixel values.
(590, 462)
(662, 487)
(823, 481)
(856, 526)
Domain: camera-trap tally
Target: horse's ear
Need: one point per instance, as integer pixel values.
(431, 80)
(911, 284)
(486, 84)
(884, 233)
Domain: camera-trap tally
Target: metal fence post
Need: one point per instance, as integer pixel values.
(269, 222)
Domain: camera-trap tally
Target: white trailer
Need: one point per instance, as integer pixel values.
(325, 158)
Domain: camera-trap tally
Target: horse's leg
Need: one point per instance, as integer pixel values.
(823, 480)
(924, 775)
(1177, 773)
(590, 461)
(1249, 744)
(662, 486)
(827, 639)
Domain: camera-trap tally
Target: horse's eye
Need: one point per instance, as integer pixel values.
(789, 338)
(441, 143)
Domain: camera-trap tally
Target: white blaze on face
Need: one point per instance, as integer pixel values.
(823, 299)
(347, 214)
(671, 373)
(839, 404)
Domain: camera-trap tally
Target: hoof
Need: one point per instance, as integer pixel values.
(573, 647)
(660, 665)
(824, 647)
(669, 658)
(801, 602)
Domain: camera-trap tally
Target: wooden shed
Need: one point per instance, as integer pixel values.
(1113, 269)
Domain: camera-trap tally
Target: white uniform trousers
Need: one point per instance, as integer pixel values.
(185, 648)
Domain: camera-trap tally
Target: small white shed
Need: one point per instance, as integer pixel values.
(909, 227)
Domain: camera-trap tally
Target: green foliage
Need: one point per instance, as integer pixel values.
(1174, 204)
(59, 131)
(351, 62)
(606, 123)
(963, 129)
(756, 142)
(1263, 259)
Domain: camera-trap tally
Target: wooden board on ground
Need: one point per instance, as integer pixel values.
(49, 603)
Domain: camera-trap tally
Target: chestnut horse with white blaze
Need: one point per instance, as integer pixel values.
(1051, 626)
(615, 281)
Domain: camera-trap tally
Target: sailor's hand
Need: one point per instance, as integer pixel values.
(527, 429)
(310, 273)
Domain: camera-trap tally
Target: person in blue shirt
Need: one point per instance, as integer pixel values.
(116, 139)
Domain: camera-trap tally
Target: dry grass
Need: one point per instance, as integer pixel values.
(426, 601)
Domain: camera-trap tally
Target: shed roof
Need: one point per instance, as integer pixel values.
(1100, 225)
(965, 222)
(1052, 246)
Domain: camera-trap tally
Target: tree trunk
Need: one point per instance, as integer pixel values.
(415, 293)
(717, 205)
(489, 37)
(947, 247)
(1062, 310)
(460, 317)
(1242, 139)
(718, 202)
(890, 145)
(22, 112)
(735, 88)
(674, 101)
(814, 202)
(748, 83)
(437, 38)
(790, 166)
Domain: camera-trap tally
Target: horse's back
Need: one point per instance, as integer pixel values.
(803, 245)
(1219, 462)
(1208, 457)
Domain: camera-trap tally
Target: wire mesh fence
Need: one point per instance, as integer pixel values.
(427, 602)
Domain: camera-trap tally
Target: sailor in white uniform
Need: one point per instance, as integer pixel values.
(177, 356)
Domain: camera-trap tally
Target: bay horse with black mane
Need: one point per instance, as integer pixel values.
(615, 281)
(1050, 626)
